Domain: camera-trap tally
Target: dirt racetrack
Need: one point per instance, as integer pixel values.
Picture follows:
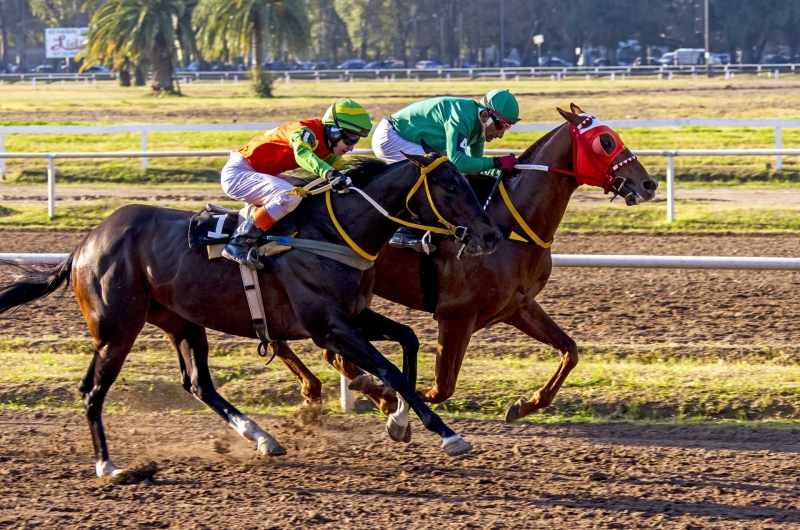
(686, 308)
(346, 473)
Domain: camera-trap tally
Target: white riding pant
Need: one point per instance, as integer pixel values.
(243, 183)
(390, 146)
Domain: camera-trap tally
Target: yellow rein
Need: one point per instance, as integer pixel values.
(521, 222)
(423, 178)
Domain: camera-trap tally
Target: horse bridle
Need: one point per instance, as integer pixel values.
(590, 167)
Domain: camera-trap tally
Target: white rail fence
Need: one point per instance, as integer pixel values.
(777, 124)
(554, 73)
(51, 167)
(347, 397)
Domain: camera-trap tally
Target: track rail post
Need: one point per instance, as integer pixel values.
(51, 185)
(670, 187)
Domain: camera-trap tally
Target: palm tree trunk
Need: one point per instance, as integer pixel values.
(124, 77)
(161, 60)
(258, 46)
(139, 77)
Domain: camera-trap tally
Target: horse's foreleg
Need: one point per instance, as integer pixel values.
(192, 345)
(310, 385)
(383, 396)
(343, 338)
(375, 327)
(454, 336)
(534, 322)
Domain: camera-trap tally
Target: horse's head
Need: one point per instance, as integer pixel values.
(448, 199)
(601, 159)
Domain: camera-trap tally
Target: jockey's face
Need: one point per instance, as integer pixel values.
(496, 128)
(341, 148)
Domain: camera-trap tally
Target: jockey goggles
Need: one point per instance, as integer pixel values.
(349, 136)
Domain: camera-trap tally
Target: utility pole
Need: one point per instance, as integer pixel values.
(707, 51)
(502, 33)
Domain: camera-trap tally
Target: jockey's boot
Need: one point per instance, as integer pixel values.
(242, 248)
(407, 237)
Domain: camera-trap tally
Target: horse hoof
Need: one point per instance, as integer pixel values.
(514, 412)
(360, 383)
(456, 445)
(397, 432)
(270, 447)
(106, 468)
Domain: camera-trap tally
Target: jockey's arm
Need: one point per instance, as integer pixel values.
(476, 151)
(461, 153)
(303, 142)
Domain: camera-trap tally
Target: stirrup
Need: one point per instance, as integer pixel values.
(237, 254)
(417, 245)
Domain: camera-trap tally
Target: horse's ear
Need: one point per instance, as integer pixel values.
(575, 109)
(571, 117)
(428, 148)
(419, 160)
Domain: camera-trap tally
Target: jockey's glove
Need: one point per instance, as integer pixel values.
(337, 181)
(506, 162)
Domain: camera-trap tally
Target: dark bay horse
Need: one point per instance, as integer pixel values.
(136, 268)
(501, 287)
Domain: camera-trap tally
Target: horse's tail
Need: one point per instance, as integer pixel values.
(33, 283)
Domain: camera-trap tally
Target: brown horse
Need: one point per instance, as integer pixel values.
(501, 288)
(136, 267)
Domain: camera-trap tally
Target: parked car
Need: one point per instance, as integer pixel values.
(97, 69)
(776, 58)
(554, 61)
(668, 59)
(307, 65)
(43, 69)
(322, 65)
(194, 66)
(510, 63)
(376, 65)
(721, 58)
(352, 64)
(423, 65)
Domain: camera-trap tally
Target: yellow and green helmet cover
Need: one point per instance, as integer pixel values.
(349, 115)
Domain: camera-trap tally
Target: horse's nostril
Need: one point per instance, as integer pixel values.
(650, 184)
(491, 239)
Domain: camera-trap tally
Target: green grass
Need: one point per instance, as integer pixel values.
(690, 216)
(601, 388)
(212, 102)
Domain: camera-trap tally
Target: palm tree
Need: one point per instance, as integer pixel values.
(229, 28)
(140, 28)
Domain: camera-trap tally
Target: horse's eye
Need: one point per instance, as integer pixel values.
(450, 189)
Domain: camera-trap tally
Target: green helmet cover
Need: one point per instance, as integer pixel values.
(503, 103)
(349, 115)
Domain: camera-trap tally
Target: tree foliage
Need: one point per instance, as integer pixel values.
(140, 29)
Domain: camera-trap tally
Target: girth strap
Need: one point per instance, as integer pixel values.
(252, 292)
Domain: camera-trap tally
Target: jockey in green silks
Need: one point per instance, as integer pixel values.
(459, 127)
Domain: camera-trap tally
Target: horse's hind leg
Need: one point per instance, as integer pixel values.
(106, 364)
(192, 345)
(310, 385)
(534, 322)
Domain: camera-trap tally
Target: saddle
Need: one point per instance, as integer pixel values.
(213, 227)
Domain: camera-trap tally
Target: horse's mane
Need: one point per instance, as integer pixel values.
(531, 152)
(363, 169)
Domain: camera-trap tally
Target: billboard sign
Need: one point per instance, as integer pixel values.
(63, 43)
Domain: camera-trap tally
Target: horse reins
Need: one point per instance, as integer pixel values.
(459, 232)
